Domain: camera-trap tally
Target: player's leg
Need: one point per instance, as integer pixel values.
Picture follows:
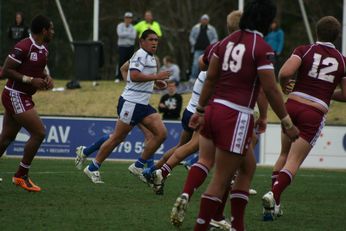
(195, 178)
(147, 136)
(159, 176)
(226, 164)
(83, 152)
(119, 134)
(281, 161)
(241, 187)
(33, 124)
(10, 128)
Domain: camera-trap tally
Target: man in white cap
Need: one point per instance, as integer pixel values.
(126, 41)
(202, 35)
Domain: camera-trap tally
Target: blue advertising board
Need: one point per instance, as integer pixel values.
(64, 134)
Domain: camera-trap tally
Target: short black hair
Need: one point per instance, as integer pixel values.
(39, 23)
(146, 33)
(258, 15)
(328, 29)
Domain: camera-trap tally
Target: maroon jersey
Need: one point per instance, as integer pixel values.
(321, 70)
(241, 55)
(32, 59)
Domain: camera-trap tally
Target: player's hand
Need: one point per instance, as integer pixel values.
(49, 82)
(39, 84)
(163, 75)
(289, 87)
(292, 133)
(196, 121)
(260, 125)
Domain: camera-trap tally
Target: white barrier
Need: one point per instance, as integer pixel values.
(328, 152)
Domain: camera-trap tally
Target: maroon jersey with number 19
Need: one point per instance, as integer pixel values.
(241, 55)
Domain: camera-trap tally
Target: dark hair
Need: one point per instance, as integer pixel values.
(38, 23)
(258, 15)
(328, 29)
(146, 33)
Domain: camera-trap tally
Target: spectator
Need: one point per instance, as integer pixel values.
(201, 35)
(169, 65)
(18, 30)
(126, 41)
(171, 103)
(275, 38)
(148, 23)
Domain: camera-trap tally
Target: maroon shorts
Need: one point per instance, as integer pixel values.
(16, 102)
(229, 129)
(309, 120)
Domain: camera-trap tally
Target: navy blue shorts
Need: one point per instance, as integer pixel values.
(133, 113)
(185, 120)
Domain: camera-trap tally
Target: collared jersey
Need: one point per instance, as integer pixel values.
(140, 92)
(32, 59)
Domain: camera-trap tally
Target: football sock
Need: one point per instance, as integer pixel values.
(94, 166)
(95, 146)
(150, 162)
(239, 200)
(274, 177)
(207, 209)
(140, 163)
(23, 170)
(219, 212)
(166, 169)
(196, 176)
(283, 180)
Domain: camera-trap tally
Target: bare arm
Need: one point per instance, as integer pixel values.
(10, 71)
(124, 69)
(262, 103)
(137, 76)
(273, 94)
(287, 72)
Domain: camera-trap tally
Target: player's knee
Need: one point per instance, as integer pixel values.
(39, 135)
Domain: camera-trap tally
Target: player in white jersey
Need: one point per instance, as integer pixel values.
(133, 108)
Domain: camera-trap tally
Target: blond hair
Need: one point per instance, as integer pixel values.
(233, 20)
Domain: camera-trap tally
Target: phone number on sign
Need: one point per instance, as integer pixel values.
(137, 147)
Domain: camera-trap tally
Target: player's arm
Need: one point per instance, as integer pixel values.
(48, 79)
(202, 65)
(124, 69)
(287, 72)
(137, 76)
(262, 103)
(340, 95)
(210, 81)
(273, 94)
(10, 71)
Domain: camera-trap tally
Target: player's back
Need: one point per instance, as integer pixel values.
(321, 70)
(241, 55)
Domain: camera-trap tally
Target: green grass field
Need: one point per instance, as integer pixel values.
(69, 201)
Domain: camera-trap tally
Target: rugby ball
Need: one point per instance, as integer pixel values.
(160, 84)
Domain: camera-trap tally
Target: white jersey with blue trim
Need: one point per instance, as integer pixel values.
(196, 92)
(140, 92)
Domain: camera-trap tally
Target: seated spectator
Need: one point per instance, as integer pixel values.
(171, 103)
(169, 65)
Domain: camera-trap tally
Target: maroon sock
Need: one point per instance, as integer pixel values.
(274, 177)
(283, 180)
(219, 212)
(23, 170)
(166, 169)
(196, 176)
(207, 209)
(239, 201)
